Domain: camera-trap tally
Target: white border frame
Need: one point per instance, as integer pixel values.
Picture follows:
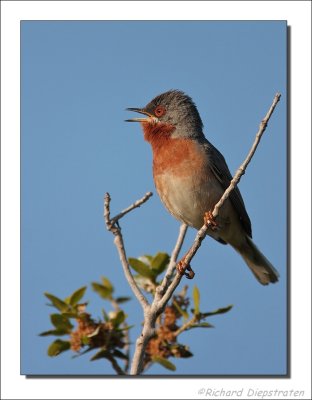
(297, 13)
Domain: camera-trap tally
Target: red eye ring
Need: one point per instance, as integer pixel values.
(160, 111)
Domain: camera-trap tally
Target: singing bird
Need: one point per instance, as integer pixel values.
(191, 175)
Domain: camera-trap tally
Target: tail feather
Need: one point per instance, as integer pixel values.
(260, 266)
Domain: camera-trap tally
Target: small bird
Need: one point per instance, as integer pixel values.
(191, 175)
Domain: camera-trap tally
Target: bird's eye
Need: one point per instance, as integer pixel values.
(160, 111)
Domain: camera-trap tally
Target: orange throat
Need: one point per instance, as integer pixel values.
(174, 155)
(157, 134)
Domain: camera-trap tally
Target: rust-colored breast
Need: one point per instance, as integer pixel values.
(185, 182)
(183, 177)
(179, 157)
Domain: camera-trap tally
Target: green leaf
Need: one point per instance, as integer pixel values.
(124, 328)
(57, 347)
(160, 262)
(196, 299)
(105, 315)
(202, 325)
(101, 290)
(118, 319)
(216, 312)
(70, 314)
(185, 353)
(55, 332)
(77, 296)
(121, 300)
(85, 340)
(164, 362)
(56, 302)
(141, 268)
(182, 312)
(61, 322)
(100, 354)
(81, 353)
(107, 284)
(119, 354)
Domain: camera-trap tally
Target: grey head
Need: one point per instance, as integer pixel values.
(174, 108)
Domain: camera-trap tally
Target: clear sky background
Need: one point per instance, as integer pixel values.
(77, 78)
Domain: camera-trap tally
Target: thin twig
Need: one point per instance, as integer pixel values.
(148, 328)
(116, 366)
(241, 170)
(127, 350)
(112, 227)
(136, 204)
(201, 234)
(172, 287)
(172, 264)
(185, 326)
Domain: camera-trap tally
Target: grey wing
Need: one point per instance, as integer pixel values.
(223, 174)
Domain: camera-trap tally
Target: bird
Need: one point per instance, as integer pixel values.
(191, 175)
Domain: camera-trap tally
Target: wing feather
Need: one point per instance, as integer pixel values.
(223, 174)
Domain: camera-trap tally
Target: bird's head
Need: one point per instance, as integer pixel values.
(171, 113)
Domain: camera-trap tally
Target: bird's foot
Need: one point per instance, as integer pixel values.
(182, 268)
(210, 221)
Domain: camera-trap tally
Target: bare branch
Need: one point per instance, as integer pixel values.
(186, 326)
(112, 227)
(136, 204)
(241, 170)
(172, 287)
(127, 350)
(172, 265)
(123, 258)
(151, 314)
(107, 219)
(148, 332)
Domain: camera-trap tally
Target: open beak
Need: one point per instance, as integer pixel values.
(140, 111)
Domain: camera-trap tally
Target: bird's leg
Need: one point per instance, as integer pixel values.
(182, 268)
(210, 221)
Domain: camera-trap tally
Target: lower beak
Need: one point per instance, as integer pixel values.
(140, 111)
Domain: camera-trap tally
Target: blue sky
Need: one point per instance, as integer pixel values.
(77, 78)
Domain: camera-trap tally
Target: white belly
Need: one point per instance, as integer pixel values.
(188, 198)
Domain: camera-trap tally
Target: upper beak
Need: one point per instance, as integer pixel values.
(140, 111)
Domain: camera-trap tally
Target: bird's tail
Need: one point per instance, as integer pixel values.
(260, 266)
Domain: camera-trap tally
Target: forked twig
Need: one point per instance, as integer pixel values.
(112, 226)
